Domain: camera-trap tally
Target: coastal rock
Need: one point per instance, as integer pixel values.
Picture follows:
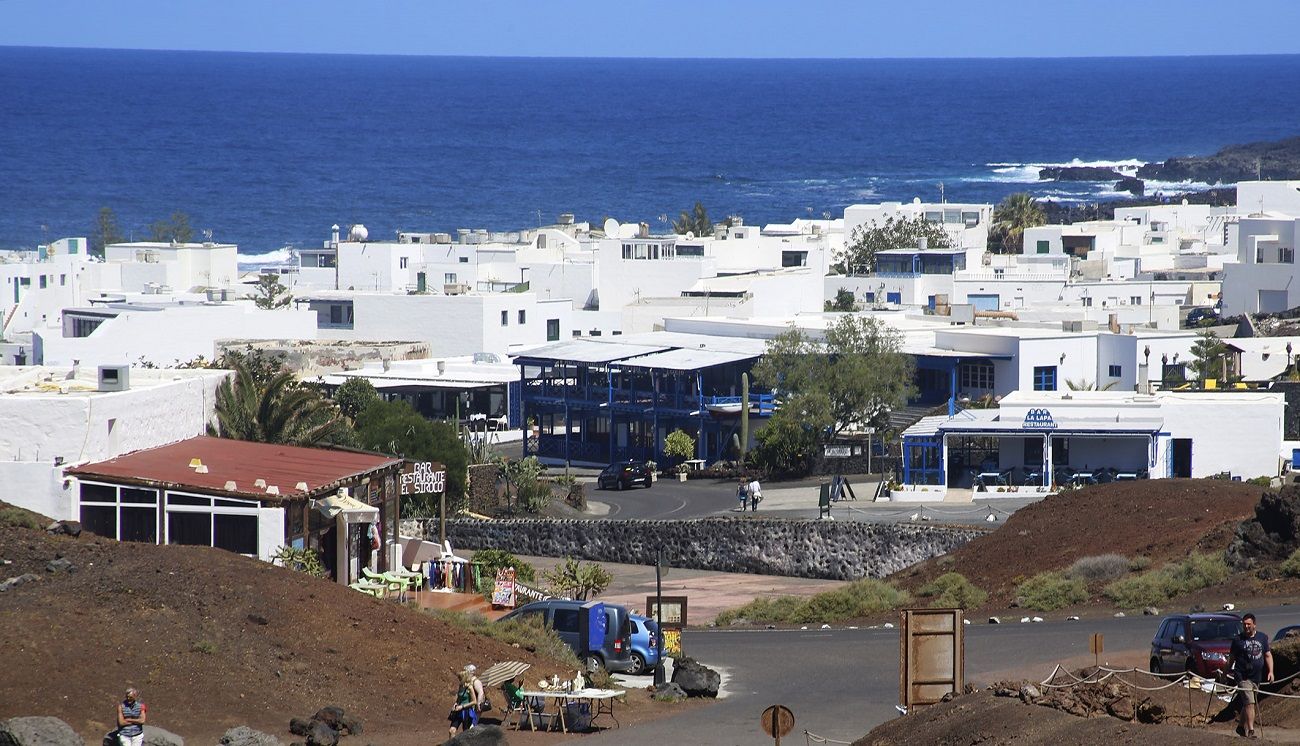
(482, 735)
(242, 735)
(696, 679)
(1132, 185)
(1079, 173)
(38, 731)
(1275, 161)
(1273, 534)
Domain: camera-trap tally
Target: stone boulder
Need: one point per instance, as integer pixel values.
(669, 692)
(1078, 173)
(1272, 535)
(14, 582)
(155, 736)
(1136, 187)
(242, 735)
(696, 679)
(38, 731)
(482, 735)
(68, 528)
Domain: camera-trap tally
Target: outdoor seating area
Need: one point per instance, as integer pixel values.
(569, 711)
(398, 581)
(1062, 476)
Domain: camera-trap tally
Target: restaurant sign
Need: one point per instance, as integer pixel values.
(1039, 419)
(422, 478)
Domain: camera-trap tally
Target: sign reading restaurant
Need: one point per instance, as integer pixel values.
(422, 478)
(1039, 419)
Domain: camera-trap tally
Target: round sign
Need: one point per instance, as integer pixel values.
(778, 721)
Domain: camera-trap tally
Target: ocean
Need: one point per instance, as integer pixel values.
(269, 150)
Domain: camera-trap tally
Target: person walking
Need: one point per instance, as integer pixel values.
(755, 494)
(1250, 663)
(131, 714)
(742, 493)
(464, 715)
(476, 685)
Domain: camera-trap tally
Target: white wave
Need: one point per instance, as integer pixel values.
(1027, 173)
(278, 256)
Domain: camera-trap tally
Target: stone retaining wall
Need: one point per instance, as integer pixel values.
(837, 550)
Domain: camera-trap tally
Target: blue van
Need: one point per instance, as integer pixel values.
(562, 615)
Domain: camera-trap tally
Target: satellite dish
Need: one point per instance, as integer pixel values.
(611, 227)
(690, 235)
(359, 233)
(916, 200)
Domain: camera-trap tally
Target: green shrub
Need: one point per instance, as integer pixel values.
(1261, 481)
(496, 559)
(775, 610)
(1099, 569)
(207, 647)
(18, 517)
(301, 559)
(953, 591)
(1291, 567)
(1139, 563)
(1195, 572)
(528, 634)
(852, 601)
(1050, 591)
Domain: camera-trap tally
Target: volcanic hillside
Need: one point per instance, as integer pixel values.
(214, 639)
(1160, 519)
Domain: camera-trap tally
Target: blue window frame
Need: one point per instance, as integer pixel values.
(1116, 371)
(893, 297)
(1045, 378)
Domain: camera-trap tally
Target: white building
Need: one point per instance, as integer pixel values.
(57, 416)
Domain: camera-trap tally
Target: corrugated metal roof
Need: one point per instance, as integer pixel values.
(239, 461)
(587, 351)
(989, 421)
(686, 359)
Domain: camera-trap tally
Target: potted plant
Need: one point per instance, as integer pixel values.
(681, 446)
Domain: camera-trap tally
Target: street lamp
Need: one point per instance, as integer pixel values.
(660, 570)
(1288, 357)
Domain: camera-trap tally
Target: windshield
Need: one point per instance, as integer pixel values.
(1216, 629)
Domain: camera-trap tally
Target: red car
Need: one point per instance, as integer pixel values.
(1196, 643)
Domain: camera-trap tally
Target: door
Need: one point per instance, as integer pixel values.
(1182, 461)
(1177, 659)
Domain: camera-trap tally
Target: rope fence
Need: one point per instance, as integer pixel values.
(811, 738)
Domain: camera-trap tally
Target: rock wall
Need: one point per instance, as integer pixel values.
(842, 550)
(483, 497)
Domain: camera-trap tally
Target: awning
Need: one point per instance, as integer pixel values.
(686, 359)
(352, 509)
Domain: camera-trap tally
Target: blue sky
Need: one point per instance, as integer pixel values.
(666, 28)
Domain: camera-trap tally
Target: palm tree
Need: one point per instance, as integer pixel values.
(276, 410)
(1012, 216)
(1084, 384)
(696, 221)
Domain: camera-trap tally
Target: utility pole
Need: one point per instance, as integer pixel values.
(659, 617)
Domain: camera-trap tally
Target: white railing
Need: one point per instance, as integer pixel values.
(1012, 275)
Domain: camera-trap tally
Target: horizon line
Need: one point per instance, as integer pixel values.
(955, 58)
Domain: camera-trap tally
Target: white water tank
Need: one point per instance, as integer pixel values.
(358, 233)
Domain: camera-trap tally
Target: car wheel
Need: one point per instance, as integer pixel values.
(592, 664)
(619, 485)
(1155, 665)
(647, 482)
(638, 661)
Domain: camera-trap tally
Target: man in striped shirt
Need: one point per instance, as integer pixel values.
(130, 719)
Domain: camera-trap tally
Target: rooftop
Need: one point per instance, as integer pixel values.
(63, 381)
(240, 462)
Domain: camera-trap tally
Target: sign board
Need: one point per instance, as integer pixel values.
(1039, 419)
(838, 451)
(503, 591)
(1096, 645)
(672, 642)
(931, 656)
(422, 477)
(777, 721)
(670, 627)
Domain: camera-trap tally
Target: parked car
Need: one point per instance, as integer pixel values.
(1198, 315)
(561, 615)
(1287, 631)
(621, 475)
(1197, 643)
(645, 641)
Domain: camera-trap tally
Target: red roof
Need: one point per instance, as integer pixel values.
(240, 461)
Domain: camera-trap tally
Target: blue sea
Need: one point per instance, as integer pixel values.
(268, 150)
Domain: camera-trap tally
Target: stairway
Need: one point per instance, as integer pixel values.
(904, 417)
(467, 603)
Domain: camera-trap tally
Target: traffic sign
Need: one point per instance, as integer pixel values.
(777, 721)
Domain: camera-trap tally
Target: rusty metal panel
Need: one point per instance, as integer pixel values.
(932, 653)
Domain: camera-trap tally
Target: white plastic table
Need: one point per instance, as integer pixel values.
(601, 701)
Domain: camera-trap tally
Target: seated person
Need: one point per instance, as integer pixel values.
(512, 689)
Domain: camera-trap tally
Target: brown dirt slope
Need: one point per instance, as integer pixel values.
(214, 639)
(1161, 519)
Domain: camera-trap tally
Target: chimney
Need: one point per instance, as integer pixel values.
(334, 236)
(922, 243)
(643, 231)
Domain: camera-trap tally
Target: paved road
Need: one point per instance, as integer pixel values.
(841, 683)
(701, 498)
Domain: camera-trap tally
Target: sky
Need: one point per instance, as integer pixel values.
(666, 28)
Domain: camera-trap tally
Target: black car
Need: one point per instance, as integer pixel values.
(1198, 315)
(623, 474)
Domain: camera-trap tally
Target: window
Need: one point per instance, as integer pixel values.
(971, 219)
(794, 258)
(505, 318)
(464, 260)
(577, 332)
(552, 330)
(893, 297)
(1045, 378)
(449, 278)
(63, 280)
(235, 533)
(1135, 300)
(336, 315)
(44, 282)
(1115, 371)
(1087, 302)
(1034, 453)
(1043, 246)
(977, 375)
(522, 315)
(1286, 255)
(934, 217)
(401, 263)
(566, 620)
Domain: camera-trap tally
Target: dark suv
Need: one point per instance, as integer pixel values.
(562, 616)
(623, 474)
(1196, 643)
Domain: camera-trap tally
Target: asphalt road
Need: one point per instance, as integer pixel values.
(841, 683)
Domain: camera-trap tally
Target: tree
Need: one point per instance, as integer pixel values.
(1010, 219)
(354, 396)
(696, 221)
(577, 580)
(175, 230)
(105, 231)
(267, 407)
(1208, 356)
(843, 302)
(269, 293)
(851, 377)
(679, 445)
(859, 256)
(396, 428)
(1084, 384)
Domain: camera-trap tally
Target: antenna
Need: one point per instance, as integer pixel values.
(941, 197)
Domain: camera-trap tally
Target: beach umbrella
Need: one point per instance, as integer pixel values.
(502, 672)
